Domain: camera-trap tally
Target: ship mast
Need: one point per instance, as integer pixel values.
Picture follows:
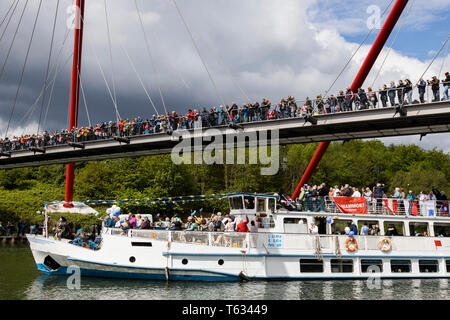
(75, 92)
(378, 45)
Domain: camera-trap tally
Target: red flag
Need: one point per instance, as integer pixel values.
(438, 243)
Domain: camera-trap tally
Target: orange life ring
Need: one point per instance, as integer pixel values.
(353, 247)
(385, 245)
(153, 235)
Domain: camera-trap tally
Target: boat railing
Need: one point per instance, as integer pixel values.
(217, 239)
(385, 206)
(323, 244)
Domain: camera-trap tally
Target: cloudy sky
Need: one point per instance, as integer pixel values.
(253, 49)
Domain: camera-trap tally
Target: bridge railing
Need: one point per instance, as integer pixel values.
(13, 145)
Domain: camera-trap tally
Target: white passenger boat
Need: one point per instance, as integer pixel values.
(283, 247)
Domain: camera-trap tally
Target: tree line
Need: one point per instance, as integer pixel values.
(358, 163)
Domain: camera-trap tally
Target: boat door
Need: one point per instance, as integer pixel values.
(321, 223)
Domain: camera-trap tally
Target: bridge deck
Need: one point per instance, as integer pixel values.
(373, 123)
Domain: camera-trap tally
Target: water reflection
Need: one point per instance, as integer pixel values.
(20, 280)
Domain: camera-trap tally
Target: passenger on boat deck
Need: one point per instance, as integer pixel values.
(139, 221)
(132, 221)
(146, 224)
(354, 227)
(375, 230)
(191, 224)
(230, 225)
(391, 231)
(242, 226)
(365, 230)
(313, 229)
(203, 225)
(118, 222)
(253, 227)
(109, 222)
(212, 223)
(347, 229)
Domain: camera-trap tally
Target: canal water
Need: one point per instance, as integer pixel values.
(19, 279)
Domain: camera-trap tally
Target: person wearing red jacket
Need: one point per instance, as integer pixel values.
(242, 227)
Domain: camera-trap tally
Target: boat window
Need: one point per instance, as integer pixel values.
(272, 204)
(448, 265)
(418, 229)
(236, 203)
(371, 224)
(376, 266)
(249, 203)
(394, 228)
(341, 265)
(261, 204)
(311, 266)
(442, 229)
(428, 266)
(400, 266)
(338, 227)
(295, 221)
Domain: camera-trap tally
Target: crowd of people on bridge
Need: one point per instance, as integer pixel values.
(346, 101)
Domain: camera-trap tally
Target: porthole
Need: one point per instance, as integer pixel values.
(132, 259)
(184, 261)
(220, 262)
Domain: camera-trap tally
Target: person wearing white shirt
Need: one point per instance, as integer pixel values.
(313, 229)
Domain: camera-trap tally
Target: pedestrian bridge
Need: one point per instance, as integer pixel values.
(420, 119)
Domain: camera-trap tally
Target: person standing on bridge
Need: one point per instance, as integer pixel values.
(409, 90)
(383, 95)
(391, 94)
(422, 86)
(435, 88)
(446, 83)
(400, 92)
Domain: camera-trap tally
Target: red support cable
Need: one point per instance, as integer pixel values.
(378, 45)
(75, 93)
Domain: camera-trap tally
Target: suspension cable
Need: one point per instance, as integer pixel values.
(110, 53)
(48, 64)
(47, 85)
(437, 54)
(393, 42)
(139, 77)
(23, 69)
(178, 73)
(150, 55)
(14, 39)
(359, 47)
(85, 103)
(198, 52)
(16, 2)
(444, 59)
(227, 68)
(103, 75)
(53, 85)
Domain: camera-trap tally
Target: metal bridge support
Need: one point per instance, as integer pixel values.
(75, 93)
(378, 45)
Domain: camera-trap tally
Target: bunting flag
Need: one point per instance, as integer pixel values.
(159, 201)
(391, 205)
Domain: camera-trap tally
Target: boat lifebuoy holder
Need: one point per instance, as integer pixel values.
(385, 245)
(351, 244)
